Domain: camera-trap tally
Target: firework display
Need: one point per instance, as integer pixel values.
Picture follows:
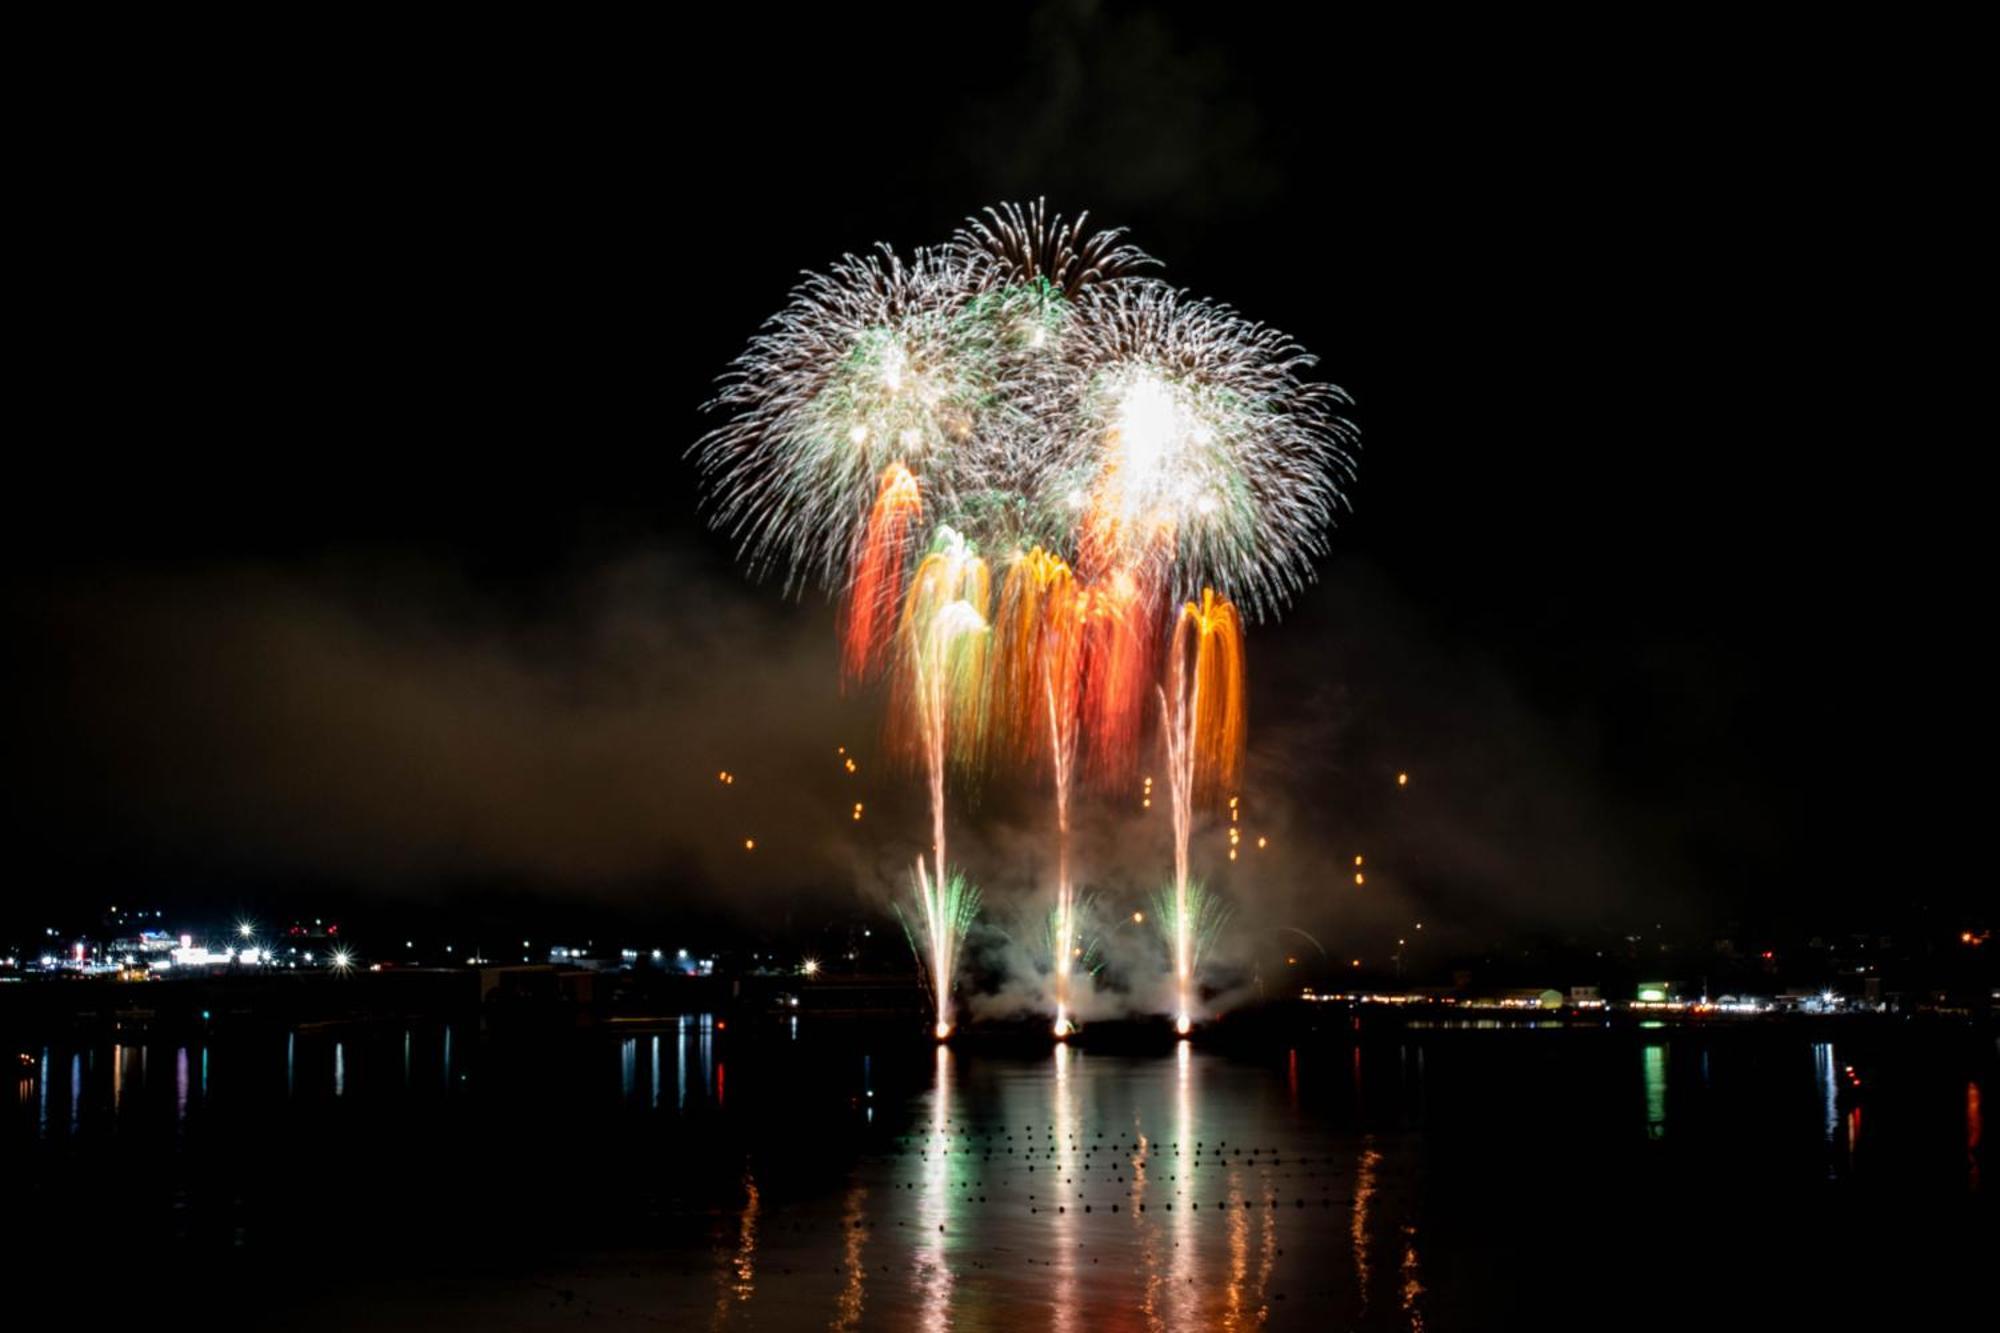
(1201, 723)
(1130, 463)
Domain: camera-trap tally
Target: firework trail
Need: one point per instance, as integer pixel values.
(946, 909)
(1039, 695)
(1201, 719)
(939, 702)
(875, 592)
(1190, 918)
(1042, 265)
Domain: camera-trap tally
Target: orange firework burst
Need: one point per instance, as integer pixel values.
(1037, 698)
(1208, 650)
(876, 592)
(1038, 668)
(1118, 673)
(938, 693)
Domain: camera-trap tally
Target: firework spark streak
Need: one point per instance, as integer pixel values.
(940, 697)
(876, 589)
(1043, 615)
(946, 909)
(1201, 719)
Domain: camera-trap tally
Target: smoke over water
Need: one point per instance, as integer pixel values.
(409, 728)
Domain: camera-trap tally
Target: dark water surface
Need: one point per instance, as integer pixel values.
(689, 1177)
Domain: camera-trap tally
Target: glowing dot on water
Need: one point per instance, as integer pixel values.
(749, 844)
(1262, 843)
(1360, 878)
(1402, 779)
(1138, 918)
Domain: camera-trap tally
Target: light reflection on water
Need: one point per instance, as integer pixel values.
(1974, 1128)
(932, 1273)
(1065, 1130)
(1364, 1194)
(1084, 1190)
(1072, 1190)
(1829, 1094)
(847, 1314)
(1655, 1065)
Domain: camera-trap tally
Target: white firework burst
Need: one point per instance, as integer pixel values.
(1207, 458)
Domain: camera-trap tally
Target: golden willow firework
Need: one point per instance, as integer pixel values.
(1038, 704)
(1202, 721)
(1056, 635)
(939, 697)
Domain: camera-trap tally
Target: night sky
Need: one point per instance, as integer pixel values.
(353, 550)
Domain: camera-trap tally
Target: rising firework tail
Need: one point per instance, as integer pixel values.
(1201, 724)
(1189, 917)
(945, 909)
